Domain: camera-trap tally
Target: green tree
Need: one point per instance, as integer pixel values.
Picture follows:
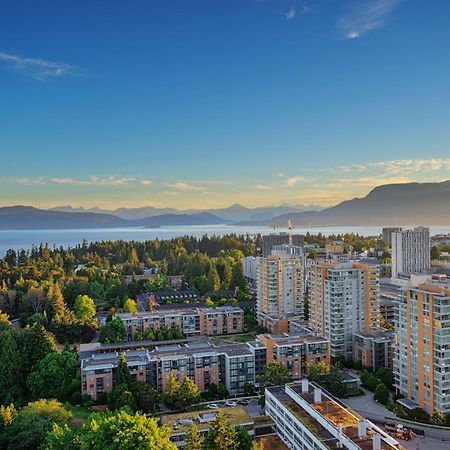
(435, 252)
(381, 393)
(221, 436)
(130, 306)
(243, 439)
(112, 332)
(146, 396)
(193, 439)
(188, 393)
(172, 391)
(122, 397)
(4, 319)
(276, 374)
(237, 277)
(213, 278)
(61, 438)
(124, 431)
(85, 310)
(32, 424)
(122, 375)
(55, 376)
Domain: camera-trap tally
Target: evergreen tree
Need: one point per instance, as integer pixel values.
(213, 278)
(237, 277)
(122, 375)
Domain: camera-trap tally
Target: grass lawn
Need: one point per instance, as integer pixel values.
(80, 414)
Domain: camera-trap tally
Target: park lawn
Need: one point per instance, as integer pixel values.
(80, 414)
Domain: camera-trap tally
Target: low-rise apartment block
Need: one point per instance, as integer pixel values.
(295, 351)
(233, 365)
(307, 418)
(422, 348)
(190, 321)
(374, 349)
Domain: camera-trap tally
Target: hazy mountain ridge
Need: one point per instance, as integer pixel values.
(232, 213)
(392, 204)
(27, 217)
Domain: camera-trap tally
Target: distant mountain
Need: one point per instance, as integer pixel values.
(391, 204)
(125, 213)
(27, 217)
(235, 212)
(180, 220)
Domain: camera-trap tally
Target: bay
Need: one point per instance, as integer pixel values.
(18, 239)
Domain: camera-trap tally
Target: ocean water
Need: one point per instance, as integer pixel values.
(18, 239)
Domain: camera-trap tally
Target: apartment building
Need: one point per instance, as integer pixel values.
(411, 251)
(343, 299)
(280, 286)
(307, 418)
(294, 350)
(374, 349)
(97, 371)
(191, 321)
(233, 365)
(272, 240)
(422, 348)
(249, 270)
(387, 234)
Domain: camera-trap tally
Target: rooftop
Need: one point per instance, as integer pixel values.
(336, 414)
(181, 422)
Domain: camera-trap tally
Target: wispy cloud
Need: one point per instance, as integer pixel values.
(183, 186)
(95, 181)
(290, 14)
(29, 181)
(366, 16)
(264, 187)
(39, 69)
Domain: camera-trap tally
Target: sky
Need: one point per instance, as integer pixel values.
(207, 103)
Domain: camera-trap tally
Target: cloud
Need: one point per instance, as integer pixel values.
(366, 16)
(264, 187)
(39, 69)
(183, 186)
(95, 181)
(146, 182)
(29, 181)
(290, 14)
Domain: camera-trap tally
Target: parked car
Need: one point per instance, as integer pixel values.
(243, 402)
(231, 403)
(213, 406)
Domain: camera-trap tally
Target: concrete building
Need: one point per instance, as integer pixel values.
(411, 251)
(249, 270)
(307, 418)
(344, 298)
(374, 349)
(422, 348)
(280, 286)
(387, 234)
(276, 239)
(190, 321)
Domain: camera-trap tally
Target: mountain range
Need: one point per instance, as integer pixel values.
(391, 204)
(233, 213)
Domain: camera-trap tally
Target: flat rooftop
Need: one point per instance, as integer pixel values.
(181, 422)
(337, 415)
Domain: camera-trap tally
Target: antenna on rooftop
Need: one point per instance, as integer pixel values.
(290, 228)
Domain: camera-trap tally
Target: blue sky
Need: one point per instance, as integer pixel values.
(210, 102)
